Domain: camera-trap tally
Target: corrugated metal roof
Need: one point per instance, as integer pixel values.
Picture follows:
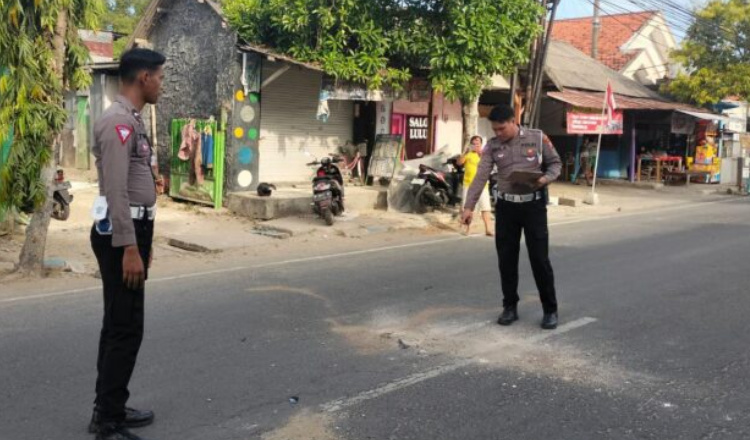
(568, 67)
(587, 99)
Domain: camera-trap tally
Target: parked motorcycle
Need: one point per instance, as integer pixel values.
(437, 189)
(328, 189)
(61, 198)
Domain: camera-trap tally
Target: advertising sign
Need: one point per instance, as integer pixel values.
(592, 123)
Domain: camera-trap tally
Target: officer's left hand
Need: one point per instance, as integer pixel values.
(542, 182)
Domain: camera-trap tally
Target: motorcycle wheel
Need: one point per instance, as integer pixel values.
(423, 199)
(328, 216)
(60, 211)
(336, 209)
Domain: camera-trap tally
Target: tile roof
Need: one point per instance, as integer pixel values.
(616, 30)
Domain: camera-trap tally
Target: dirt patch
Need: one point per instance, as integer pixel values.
(384, 331)
(466, 333)
(304, 426)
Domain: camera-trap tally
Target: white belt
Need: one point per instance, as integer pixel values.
(143, 212)
(522, 198)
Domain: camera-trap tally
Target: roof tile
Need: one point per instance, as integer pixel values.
(616, 30)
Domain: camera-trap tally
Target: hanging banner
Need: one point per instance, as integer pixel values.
(591, 123)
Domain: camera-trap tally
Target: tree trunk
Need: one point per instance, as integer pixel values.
(470, 112)
(31, 260)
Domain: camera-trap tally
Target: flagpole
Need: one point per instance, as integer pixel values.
(598, 149)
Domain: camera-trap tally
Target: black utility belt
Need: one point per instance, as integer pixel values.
(521, 198)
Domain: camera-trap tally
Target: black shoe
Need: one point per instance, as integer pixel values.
(550, 321)
(509, 316)
(110, 431)
(133, 419)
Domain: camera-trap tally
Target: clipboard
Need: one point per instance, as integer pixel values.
(527, 178)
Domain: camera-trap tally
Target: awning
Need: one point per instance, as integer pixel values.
(585, 99)
(705, 116)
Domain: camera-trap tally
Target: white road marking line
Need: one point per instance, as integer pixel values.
(343, 403)
(348, 254)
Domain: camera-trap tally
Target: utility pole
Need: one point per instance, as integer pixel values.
(595, 31)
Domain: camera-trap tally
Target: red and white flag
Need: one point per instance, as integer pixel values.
(611, 104)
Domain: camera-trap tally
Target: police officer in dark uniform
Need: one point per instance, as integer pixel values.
(521, 206)
(121, 239)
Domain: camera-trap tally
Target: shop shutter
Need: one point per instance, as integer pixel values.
(289, 126)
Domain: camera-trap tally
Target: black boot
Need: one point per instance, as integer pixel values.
(550, 321)
(112, 431)
(133, 419)
(509, 316)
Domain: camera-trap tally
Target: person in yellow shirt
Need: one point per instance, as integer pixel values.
(470, 161)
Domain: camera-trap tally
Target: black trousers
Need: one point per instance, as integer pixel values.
(122, 326)
(531, 217)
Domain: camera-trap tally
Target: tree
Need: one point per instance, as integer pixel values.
(469, 41)
(715, 54)
(351, 39)
(43, 55)
(121, 17)
(458, 44)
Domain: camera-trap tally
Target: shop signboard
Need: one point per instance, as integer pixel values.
(416, 136)
(383, 114)
(386, 155)
(593, 123)
(342, 90)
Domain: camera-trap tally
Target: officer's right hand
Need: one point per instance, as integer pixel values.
(466, 217)
(133, 273)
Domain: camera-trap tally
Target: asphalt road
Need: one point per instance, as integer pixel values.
(398, 342)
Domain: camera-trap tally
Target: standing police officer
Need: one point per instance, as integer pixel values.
(121, 239)
(521, 205)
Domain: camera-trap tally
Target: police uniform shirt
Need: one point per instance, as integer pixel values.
(123, 163)
(531, 151)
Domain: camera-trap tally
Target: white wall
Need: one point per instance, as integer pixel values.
(653, 44)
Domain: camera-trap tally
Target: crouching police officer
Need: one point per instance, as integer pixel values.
(121, 239)
(521, 206)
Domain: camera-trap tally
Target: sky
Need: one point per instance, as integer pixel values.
(585, 8)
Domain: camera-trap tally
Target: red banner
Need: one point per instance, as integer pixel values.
(590, 123)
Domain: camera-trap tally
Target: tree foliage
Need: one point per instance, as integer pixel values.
(716, 54)
(31, 89)
(121, 17)
(459, 43)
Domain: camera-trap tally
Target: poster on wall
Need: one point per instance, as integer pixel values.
(593, 123)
